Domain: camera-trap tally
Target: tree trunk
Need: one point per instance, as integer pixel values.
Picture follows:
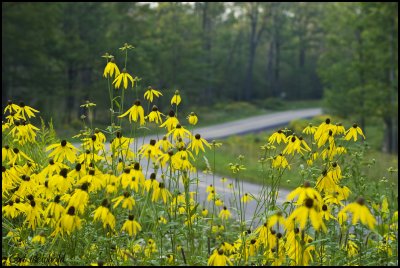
(207, 51)
(69, 107)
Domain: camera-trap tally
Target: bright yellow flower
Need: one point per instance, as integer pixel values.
(326, 212)
(204, 212)
(322, 128)
(179, 132)
(280, 161)
(131, 226)
(278, 136)
(176, 98)
(308, 211)
(171, 121)
(63, 150)
(128, 201)
(246, 198)
(155, 115)
(197, 143)
(325, 182)
(225, 213)
(103, 214)
(124, 76)
(18, 155)
(161, 192)
(218, 258)
(135, 112)
(110, 68)
(26, 111)
(11, 107)
(303, 193)
(150, 93)
(276, 219)
(40, 238)
(352, 133)
(360, 212)
(192, 118)
(68, 223)
(310, 129)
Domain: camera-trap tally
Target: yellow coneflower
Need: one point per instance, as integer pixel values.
(225, 213)
(69, 222)
(310, 129)
(204, 212)
(326, 213)
(11, 107)
(294, 145)
(80, 198)
(192, 118)
(164, 144)
(9, 210)
(218, 258)
(162, 220)
(151, 183)
(150, 150)
(54, 209)
(325, 182)
(150, 93)
(322, 128)
(135, 112)
(176, 98)
(171, 121)
(62, 150)
(280, 161)
(219, 202)
(277, 219)
(246, 198)
(304, 192)
(352, 133)
(278, 137)
(19, 155)
(123, 76)
(128, 201)
(161, 192)
(26, 111)
(308, 211)
(179, 132)
(360, 213)
(150, 247)
(39, 238)
(94, 180)
(170, 258)
(131, 226)
(110, 68)
(197, 143)
(155, 115)
(103, 214)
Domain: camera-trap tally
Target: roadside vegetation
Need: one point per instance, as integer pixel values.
(88, 205)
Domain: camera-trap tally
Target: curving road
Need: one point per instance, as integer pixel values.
(238, 127)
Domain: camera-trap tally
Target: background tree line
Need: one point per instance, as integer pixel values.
(345, 53)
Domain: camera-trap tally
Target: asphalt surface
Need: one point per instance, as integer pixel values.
(237, 127)
(240, 127)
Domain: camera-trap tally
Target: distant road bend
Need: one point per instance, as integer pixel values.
(255, 123)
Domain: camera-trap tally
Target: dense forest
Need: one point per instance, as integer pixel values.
(345, 53)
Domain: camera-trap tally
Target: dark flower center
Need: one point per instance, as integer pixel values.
(309, 203)
(71, 211)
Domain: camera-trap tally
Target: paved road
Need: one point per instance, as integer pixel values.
(243, 126)
(220, 131)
